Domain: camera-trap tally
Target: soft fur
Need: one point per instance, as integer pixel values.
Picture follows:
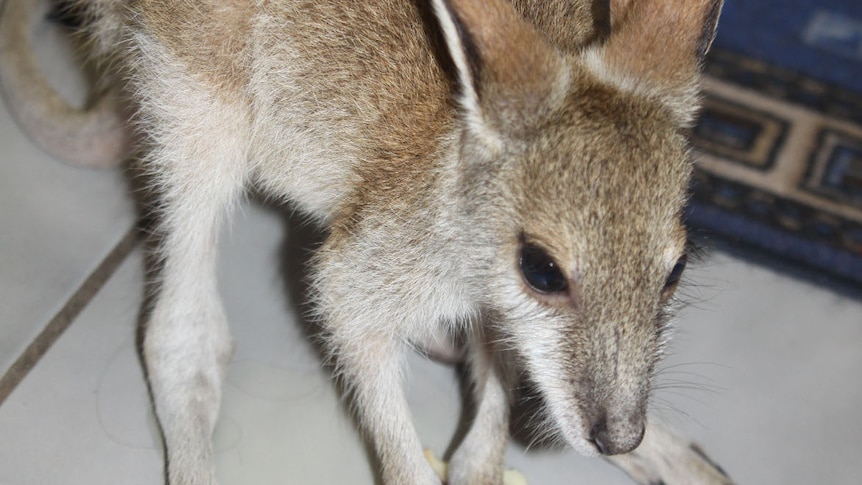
(434, 140)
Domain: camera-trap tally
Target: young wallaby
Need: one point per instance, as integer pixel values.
(512, 172)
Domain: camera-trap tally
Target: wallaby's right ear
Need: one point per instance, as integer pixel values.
(658, 46)
(508, 73)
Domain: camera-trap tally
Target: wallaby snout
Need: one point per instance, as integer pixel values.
(615, 433)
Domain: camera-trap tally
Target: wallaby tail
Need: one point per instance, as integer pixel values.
(94, 136)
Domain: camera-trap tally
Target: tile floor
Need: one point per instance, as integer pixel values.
(774, 363)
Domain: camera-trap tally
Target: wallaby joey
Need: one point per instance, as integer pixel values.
(510, 172)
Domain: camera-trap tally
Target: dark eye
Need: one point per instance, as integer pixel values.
(676, 273)
(540, 271)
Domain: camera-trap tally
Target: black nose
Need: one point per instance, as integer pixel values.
(599, 436)
(622, 439)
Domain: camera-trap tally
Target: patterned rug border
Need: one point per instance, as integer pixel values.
(743, 127)
(742, 213)
(784, 84)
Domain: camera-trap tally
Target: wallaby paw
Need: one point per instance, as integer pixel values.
(669, 460)
(441, 468)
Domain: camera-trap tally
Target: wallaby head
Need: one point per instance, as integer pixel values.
(576, 170)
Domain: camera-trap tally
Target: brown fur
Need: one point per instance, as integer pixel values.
(437, 141)
(209, 36)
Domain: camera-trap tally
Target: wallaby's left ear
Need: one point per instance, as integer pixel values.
(658, 47)
(508, 73)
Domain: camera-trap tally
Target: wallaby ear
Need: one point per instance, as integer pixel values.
(659, 46)
(508, 74)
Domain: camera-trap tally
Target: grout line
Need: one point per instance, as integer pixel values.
(64, 318)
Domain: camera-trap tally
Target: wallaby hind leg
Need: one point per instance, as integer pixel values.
(199, 164)
(186, 338)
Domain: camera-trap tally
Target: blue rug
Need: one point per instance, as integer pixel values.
(780, 136)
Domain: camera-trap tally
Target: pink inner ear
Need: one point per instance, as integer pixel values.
(658, 40)
(511, 69)
(510, 50)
